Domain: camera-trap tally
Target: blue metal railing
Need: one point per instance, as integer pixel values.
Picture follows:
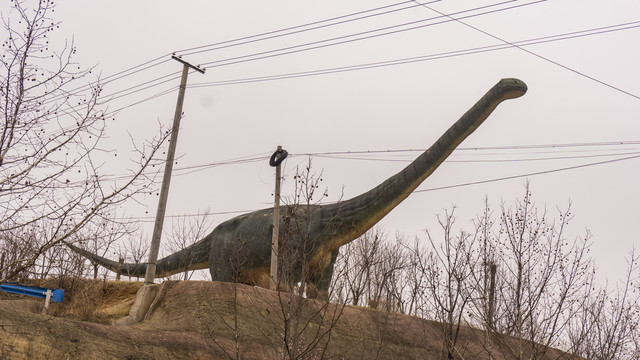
(55, 295)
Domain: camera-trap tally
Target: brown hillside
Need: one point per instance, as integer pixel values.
(195, 320)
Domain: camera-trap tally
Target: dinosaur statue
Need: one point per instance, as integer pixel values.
(327, 227)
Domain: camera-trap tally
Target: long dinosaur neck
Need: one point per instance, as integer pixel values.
(357, 215)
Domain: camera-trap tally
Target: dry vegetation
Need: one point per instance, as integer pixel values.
(192, 320)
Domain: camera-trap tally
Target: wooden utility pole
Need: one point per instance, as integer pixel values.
(166, 180)
(276, 160)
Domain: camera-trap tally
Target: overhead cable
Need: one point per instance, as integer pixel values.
(298, 28)
(459, 20)
(544, 172)
(436, 56)
(348, 155)
(364, 35)
(530, 174)
(219, 45)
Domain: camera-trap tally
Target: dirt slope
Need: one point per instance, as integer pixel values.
(201, 320)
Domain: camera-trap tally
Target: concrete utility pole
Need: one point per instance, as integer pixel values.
(276, 160)
(166, 180)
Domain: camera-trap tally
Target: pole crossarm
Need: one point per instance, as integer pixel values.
(194, 67)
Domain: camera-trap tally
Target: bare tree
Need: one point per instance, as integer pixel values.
(186, 231)
(543, 273)
(358, 260)
(15, 245)
(21, 243)
(385, 286)
(51, 137)
(135, 249)
(232, 320)
(606, 325)
(372, 272)
(482, 283)
(99, 238)
(416, 279)
(306, 317)
(518, 276)
(447, 271)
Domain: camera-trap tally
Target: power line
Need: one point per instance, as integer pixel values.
(161, 80)
(340, 155)
(152, 63)
(211, 213)
(437, 56)
(186, 170)
(254, 38)
(347, 155)
(544, 172)
(210, 47)
(141, 86)
(154, 96)
(295, 29)
(530, 174)
(490, 160)
(504, 147)
(111, 78)
(528, 42)
(345, 38)
(459, 20)
(156, 81)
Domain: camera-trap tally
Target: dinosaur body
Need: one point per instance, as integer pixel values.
(239, 249)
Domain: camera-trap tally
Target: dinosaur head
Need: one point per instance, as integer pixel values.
(511, 88)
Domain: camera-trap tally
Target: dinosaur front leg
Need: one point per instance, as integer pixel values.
(241, 259)
(221, 266)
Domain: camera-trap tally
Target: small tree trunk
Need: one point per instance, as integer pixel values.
(95, 271)
(120, 262)
(1, 265)
(492, 296)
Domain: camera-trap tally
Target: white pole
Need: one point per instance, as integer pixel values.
(48, 294)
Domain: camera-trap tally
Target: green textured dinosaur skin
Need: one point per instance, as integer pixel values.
(329, 226)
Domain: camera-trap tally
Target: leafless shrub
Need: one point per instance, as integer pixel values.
(186, 231)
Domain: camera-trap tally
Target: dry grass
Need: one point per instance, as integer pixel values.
(99, 301)
(195, 319)
(96, 301)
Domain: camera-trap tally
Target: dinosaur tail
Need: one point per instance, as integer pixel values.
(193, 257)
(362, 212)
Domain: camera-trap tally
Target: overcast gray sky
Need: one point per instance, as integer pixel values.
(581, 108)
